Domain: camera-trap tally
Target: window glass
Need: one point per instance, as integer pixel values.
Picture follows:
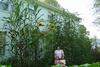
(3, 5)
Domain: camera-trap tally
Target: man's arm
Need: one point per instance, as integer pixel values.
(55, 54)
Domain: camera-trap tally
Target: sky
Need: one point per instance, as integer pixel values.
(85, 10)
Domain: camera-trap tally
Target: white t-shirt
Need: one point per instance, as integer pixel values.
(59, 53)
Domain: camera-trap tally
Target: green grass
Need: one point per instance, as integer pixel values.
(5, 65)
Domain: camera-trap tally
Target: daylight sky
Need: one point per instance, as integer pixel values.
(85, 10)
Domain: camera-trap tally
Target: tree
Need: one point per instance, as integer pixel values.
(97, 10)
(66, 32)
(75, 41)
(52, 2)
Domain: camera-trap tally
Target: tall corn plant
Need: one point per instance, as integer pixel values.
(23, 32)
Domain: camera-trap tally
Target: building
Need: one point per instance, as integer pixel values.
(5, 10)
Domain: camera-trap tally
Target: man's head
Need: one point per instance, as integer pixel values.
(58, 48)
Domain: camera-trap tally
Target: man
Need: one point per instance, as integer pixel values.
(59, 56)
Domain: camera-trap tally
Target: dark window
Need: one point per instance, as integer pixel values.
(3, 6)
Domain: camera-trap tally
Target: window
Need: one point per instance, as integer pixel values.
(3, 5)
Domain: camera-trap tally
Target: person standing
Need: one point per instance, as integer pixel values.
(59, 56)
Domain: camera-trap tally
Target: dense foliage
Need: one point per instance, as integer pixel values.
(52, 2)
(71, 37)
(96, 51)
(97, 11)
(32, 47)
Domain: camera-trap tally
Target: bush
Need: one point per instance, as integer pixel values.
(88, 65)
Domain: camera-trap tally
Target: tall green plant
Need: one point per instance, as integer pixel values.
(23, 32)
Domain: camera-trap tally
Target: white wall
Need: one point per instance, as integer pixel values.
(3, 14)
